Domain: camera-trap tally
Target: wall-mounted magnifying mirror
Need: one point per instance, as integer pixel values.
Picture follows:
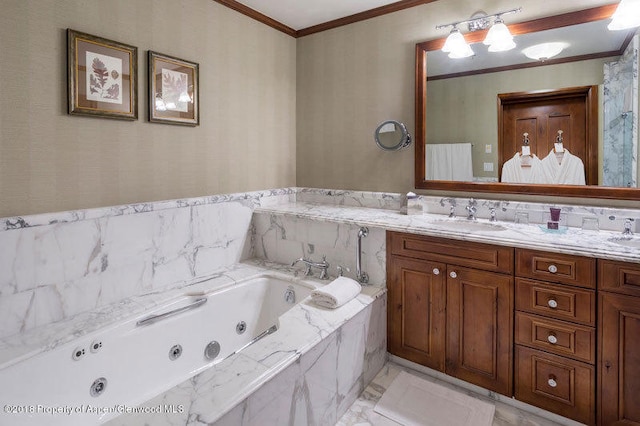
(392, 135)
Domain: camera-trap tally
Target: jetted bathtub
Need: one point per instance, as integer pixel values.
(109, 372)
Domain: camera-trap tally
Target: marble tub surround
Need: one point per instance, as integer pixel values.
(309, 339)
(250, 199)
(28, 343)
(54, 266)
(341, 197)
(285, 238)
(308, 372)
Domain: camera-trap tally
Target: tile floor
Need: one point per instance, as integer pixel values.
(361, 412)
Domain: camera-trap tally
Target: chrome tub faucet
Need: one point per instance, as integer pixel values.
(323, 266)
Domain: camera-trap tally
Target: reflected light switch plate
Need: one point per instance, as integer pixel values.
(487, 148)
(488, 167)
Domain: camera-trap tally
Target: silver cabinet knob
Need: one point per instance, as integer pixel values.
(552, 303)
(553, 269)
(552, 339)
(436, 271)
(552, 382)
(452, 274)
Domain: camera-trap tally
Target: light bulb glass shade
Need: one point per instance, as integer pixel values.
(626, 16)
(544, 51)
(454, 39)
(502, 46)
(498, 33)
(461, 51)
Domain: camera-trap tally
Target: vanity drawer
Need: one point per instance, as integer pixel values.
(464, 253)
(556, 301)
(558, 337)
(619, 277)
(562, 268)
(557, 384)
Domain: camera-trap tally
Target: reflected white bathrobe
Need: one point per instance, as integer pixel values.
(513, 171)
(569, 170)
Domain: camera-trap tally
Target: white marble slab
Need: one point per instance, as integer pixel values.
(308, 372)
(285, 238)
(570, 240)
(57, 265)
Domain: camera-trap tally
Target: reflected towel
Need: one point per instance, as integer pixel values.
(336, 293)
(449, 161)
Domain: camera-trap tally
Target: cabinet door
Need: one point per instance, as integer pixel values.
(416, 311)
(480, 328)
(619, 360)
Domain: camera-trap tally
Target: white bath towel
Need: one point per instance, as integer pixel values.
(336, 293)
(449, 161)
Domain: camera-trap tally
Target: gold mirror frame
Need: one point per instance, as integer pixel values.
(591, 191)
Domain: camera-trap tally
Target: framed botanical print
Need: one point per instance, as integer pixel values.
(102, 77)
(173, 90)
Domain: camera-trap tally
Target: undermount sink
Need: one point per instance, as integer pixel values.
(465, 225)
(626, 241)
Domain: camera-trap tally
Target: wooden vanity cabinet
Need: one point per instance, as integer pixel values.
(416, 311)
(451, 307)
(555, 335)
(619, 351)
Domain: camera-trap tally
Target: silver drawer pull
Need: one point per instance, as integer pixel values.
(436, 271)
(553, 269)
(552, 382)
(552, 303)
(452, 274)
(552, 339)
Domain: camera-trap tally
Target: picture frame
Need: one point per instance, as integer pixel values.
(173, 90)
(102, 77)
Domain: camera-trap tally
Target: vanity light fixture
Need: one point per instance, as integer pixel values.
(499, 38)
(456, 46)
(544, 51)
(626, 16)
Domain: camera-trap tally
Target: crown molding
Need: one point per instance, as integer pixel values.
(357, 17)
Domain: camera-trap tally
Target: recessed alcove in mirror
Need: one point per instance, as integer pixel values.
(463, 109)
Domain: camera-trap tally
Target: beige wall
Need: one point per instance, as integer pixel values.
(353, 77)
(464, 109)
(51, 161)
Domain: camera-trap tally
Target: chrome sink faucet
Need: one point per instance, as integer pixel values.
(492, 215)
(471, 209)
(323, 266)
(627, 227)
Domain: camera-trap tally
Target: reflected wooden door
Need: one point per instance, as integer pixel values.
(541, 115)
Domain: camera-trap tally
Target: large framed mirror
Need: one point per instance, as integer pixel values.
(452, 100)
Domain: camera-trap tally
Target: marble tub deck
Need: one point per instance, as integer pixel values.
(216, 390)
(361, 412)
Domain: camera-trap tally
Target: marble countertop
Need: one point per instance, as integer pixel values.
(569, 240)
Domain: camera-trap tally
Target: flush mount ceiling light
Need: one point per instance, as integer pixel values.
(626, 16)
(544, 51)
(499, 38)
